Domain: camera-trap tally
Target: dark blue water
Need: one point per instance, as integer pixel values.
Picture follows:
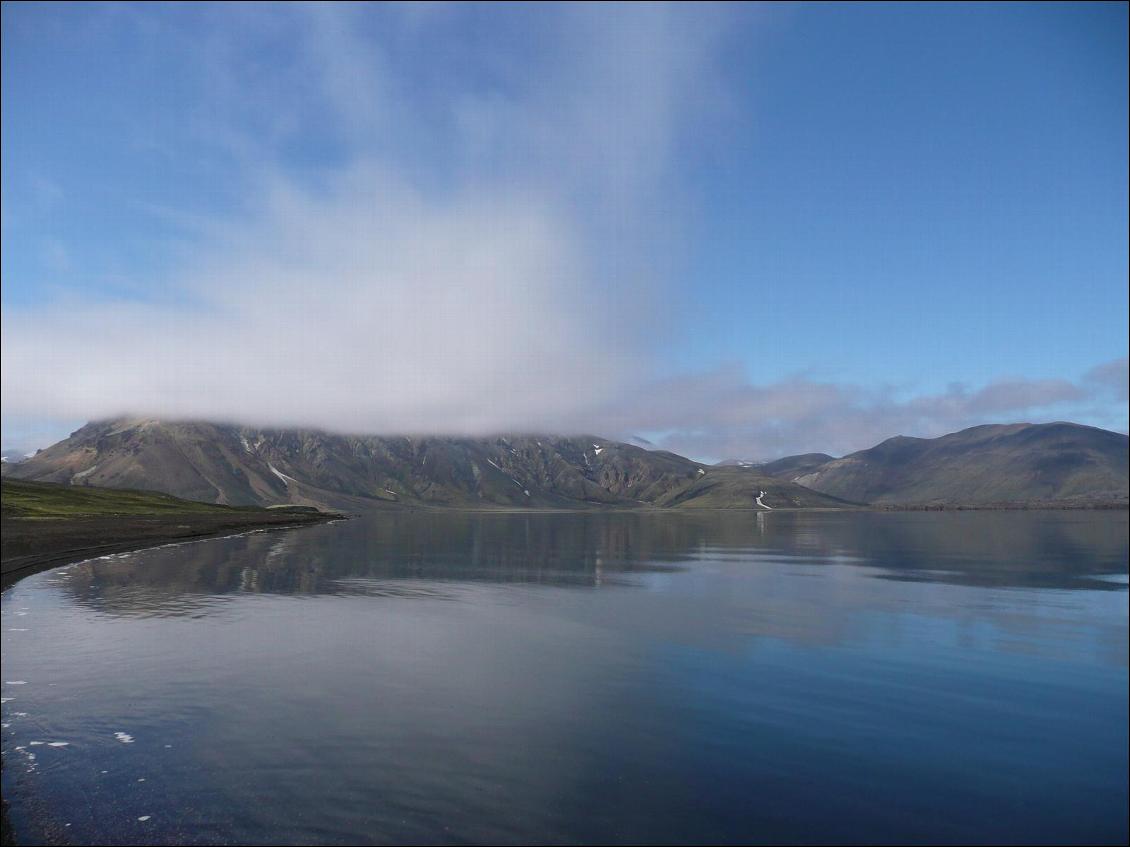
(549, 678)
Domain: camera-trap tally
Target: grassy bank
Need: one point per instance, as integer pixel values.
(45, 524)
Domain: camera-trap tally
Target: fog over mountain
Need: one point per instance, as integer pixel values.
(235, 465)
(222, 463)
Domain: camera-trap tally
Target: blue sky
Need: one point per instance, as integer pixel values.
(738, 230)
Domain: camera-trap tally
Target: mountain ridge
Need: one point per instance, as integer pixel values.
(1058, 462)
(240, 465)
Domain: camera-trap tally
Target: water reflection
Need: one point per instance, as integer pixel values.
(371, 555)
(514, 678)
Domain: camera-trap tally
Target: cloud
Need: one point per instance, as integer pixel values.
(1113, 376)
(371, 310)
(458, 262)
(722, 414)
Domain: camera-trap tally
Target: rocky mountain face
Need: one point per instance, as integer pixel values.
(236, 465)
(994, 464)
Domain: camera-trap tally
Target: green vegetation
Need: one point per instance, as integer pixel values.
(46, 524)
(23, 499)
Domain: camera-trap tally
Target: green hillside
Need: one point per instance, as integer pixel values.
(23, 499)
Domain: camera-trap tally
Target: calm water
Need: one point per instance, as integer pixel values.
(561, 678)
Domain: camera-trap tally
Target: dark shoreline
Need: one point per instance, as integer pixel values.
(46, 544)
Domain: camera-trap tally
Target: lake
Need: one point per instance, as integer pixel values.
(604, 678)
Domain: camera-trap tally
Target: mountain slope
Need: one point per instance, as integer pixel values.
(246, 466)
(1013, 463)
(794, 466)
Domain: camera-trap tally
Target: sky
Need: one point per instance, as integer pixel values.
(735, 231)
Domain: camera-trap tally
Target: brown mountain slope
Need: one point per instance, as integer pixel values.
(994, 464)
(246, 466)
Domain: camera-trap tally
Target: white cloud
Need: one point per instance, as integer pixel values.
(442, 278)
(371, 309)
(723, 415)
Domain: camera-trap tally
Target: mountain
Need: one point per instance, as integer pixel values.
(793, 466)
(236, 465)
(993, 464)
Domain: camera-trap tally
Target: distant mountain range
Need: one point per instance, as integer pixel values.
(15, 454)
(997, 464)
(1005, 464)
(237, 465)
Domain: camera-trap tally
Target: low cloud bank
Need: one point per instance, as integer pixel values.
(723, 415)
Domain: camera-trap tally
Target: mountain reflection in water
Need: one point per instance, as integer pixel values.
(581, 677)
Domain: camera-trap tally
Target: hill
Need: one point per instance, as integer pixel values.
(227, 464)
(994, 464)
(23, 499)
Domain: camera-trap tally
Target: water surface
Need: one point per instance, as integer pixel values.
(607, 678)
